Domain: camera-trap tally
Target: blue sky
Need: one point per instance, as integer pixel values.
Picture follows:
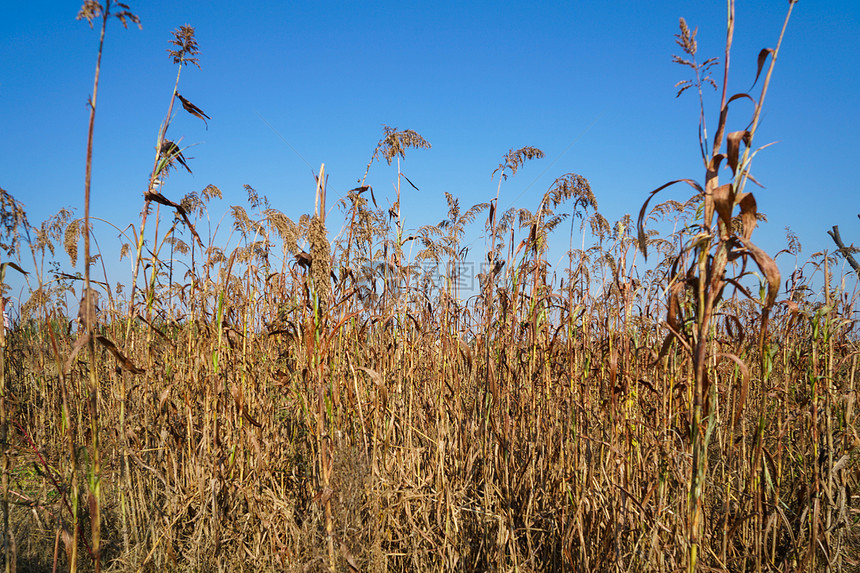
(589, 83)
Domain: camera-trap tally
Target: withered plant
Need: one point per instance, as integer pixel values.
(701, 271)
(276, 395)
(93, 10)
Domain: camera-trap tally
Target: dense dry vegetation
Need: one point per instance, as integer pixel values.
(287, 403)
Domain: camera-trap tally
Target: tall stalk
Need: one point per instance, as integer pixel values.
(4, 436)
(166, 152)
(91, 10)
(89, 308)
(14, 221)
(722, 237)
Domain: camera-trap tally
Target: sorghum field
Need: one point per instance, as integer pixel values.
(308, 400)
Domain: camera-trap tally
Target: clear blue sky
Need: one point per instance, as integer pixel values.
(590, 83)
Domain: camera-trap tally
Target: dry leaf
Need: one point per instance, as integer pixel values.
(193, 110)
(123, 361)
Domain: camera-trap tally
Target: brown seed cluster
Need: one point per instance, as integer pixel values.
(321, 260)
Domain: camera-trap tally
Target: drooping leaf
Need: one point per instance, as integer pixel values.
(123, 361)
(762, 58)
(768, 267)
(739, 96)
(733, 146)
(642, 237)
(193, 110)
(9, 264)
(162, 200)
(747, 203)
(410, 182)
(714, 163)
(171, 152)
(674, 320)
(153, 327)
(734, 329)
(724, 203)
(673, 316)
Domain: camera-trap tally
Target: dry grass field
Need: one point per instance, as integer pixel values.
(295, 404)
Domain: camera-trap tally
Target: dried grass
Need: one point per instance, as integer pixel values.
(273, 409)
